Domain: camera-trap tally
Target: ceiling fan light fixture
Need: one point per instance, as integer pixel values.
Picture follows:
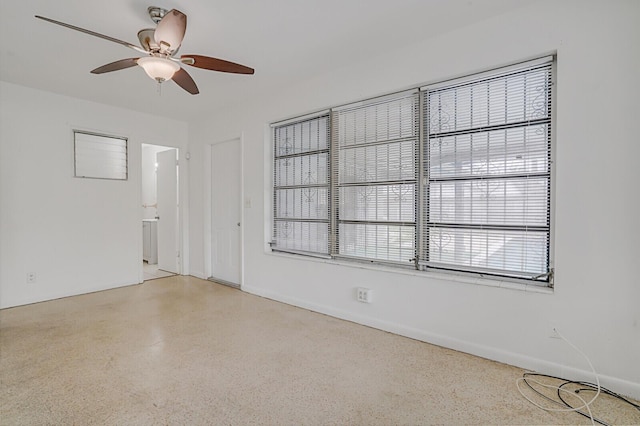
(159, 69)
(159, 47)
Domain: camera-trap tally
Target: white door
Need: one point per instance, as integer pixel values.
(226, 212)
(167, 187)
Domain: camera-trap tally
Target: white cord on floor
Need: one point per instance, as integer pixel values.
(584, 403)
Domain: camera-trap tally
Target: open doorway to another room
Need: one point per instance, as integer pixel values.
(160, 253)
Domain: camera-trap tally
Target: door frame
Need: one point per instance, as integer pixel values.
(183, 201)
(208, 205)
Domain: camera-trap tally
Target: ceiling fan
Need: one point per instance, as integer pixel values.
(160, 45)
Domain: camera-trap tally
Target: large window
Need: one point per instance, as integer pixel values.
(487, 147)
(301, 186)
(453, 176)
(377, 146)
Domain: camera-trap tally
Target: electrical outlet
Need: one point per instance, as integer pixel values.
(363, 295)
(31, 277)
(553, 333)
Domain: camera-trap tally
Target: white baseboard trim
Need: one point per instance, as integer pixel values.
(198, 274)
(615, 384)
(62, 294)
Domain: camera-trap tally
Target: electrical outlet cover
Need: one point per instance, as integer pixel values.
(363, 295)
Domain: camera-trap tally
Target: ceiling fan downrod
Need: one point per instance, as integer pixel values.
(156, 13)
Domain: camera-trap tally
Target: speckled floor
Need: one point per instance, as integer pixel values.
(181, 350)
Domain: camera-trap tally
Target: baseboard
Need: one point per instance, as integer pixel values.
(615, 384)
(63, 294)
(198, 274)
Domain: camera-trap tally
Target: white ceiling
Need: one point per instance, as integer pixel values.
(284, 40)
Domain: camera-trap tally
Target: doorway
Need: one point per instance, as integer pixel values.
(160, 234)
(225, 258)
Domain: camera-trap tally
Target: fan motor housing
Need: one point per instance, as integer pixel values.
(156, 13)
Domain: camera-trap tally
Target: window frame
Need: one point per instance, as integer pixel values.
(125, 142)
(275, 127)
(403, 100)
(543, 280)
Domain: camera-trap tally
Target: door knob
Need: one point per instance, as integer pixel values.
(238, 223)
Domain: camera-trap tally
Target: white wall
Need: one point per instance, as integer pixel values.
(596, 299)
(77, 235)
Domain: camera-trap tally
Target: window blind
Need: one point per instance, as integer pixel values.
(301, 186)
(455, 175)
(487, 174)
(374, 188)
(99, 156)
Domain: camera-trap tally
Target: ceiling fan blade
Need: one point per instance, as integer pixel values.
(93, 33)
(215, 64)
(184, 80)
(115, 66)
(170, 30)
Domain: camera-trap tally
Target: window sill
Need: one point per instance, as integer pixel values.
(437, 275)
